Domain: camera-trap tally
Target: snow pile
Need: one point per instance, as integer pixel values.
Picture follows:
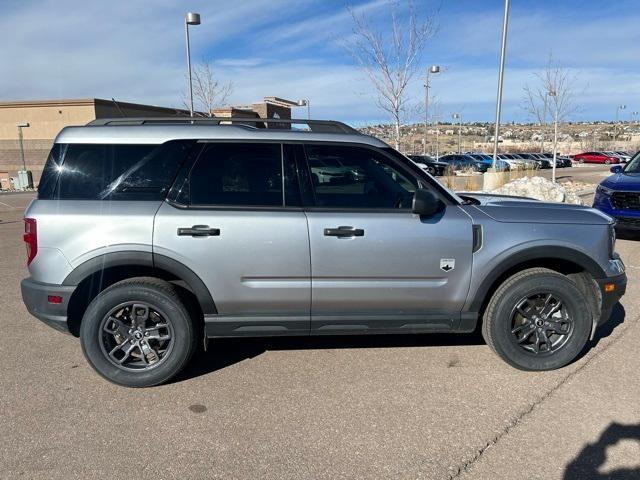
(542, 189)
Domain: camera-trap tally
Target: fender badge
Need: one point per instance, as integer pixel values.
(447, 264)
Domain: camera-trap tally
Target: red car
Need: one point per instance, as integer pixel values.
(595, 157)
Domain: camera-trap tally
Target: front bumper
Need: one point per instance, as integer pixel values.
(617, 287)
(625, 219)
(35, 296)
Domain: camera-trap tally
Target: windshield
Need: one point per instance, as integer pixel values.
(634, 164)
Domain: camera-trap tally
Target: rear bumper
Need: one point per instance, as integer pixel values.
(35, 297)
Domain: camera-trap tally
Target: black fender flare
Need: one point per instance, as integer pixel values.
(145, 259)
(529, 254)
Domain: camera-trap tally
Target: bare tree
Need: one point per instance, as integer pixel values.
(553, 94)
(390, 58)
(536, 103)
(208, 91)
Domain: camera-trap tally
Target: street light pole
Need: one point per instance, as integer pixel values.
(190, 19)
(543, 125)
(20, 126)
(615, 130)
(555, 134)
(305, 102)
(503, 51)
(459, 117)
(431, 69)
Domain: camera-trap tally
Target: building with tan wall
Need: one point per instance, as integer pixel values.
(47, 117)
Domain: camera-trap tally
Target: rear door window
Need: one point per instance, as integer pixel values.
(111, 171)
(238, 174)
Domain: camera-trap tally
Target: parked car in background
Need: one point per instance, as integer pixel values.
(596, 157)
(562, 161)
(530, 157)
(513, 163)
(619, 195)
(501, 165)
(623, 157)
(464, 162)
(429, 164)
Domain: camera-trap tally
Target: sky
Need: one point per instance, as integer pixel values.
(133, 50)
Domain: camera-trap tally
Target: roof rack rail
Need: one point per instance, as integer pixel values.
(321, 126)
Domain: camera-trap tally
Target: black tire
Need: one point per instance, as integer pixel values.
(501, 316)
(159, 296)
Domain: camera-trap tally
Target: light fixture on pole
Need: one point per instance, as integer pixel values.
(432, 69)
(305, 102)
(553, 94)
(503, 54)
(458, 116)
(615, 129)
(634, 117)
(190, 19)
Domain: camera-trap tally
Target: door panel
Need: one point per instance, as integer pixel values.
(257, 265)
(393, 269)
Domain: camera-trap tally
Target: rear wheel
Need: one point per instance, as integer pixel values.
(537, 320)
(137, 333)
(607, 161)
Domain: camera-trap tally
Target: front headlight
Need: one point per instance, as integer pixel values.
(604, 190)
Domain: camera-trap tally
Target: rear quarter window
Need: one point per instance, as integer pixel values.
(111, 171)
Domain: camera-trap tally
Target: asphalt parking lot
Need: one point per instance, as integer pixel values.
(437, 406)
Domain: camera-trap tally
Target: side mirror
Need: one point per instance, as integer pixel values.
(616, 169)
(425, 203)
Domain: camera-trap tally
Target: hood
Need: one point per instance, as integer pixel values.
(623, 181)
(504, 208)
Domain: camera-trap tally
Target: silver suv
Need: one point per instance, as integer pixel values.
(148, 235)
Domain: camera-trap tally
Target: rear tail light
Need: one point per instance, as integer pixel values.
(30, 238)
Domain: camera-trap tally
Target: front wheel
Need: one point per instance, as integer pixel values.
(137, 333)
(537, 320)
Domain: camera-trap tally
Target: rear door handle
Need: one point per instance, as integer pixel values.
(198, 231)
(343, 232)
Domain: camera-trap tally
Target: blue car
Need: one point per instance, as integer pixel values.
(619, 194)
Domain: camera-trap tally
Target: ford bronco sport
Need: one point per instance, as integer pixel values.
(149, 234)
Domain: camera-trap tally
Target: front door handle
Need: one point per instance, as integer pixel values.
(198, 231)
(344, 232)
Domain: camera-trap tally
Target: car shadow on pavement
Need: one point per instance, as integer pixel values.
(224, 352)
(603, 331)
(593, 456)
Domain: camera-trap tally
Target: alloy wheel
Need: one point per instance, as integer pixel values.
(136, 336)
(541, 323)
